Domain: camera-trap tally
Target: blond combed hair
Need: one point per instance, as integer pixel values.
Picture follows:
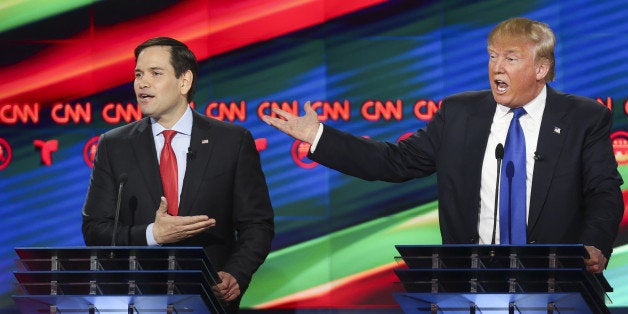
(540, 34)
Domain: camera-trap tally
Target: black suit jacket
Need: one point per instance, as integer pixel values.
(575, 198)
(223, 180)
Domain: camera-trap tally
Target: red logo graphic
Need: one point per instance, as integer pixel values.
(261, 144)
(89, 150)
(46, 149)
(299, 153)
(620, 146)
(5, 153)
(404, 136)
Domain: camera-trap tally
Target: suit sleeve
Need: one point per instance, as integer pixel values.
(252, 213)
(100, 203)
(603, 201)
(413, 157)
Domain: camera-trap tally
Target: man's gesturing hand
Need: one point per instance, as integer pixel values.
(303, 128)
(170, 229)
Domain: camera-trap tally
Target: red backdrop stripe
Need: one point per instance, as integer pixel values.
(101, 57)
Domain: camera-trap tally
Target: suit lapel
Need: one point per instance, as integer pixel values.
(478, 129)
(142, 145)
(552, 133)
(201, 146)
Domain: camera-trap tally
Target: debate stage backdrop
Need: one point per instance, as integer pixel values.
(373, 68)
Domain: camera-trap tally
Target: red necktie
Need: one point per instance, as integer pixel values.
(169, 173)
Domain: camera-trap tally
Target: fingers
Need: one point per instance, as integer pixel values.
(171, 229)
(596, 261)
(229, 289)
(171, 232)
(303, 128)
(286, 116)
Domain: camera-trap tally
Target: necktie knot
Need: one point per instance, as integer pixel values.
(168, 135)
(518, 112)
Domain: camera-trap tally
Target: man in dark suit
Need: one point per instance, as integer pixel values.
(223, 201)
(570, 174)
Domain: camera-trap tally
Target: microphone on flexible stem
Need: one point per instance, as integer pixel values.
(499, 155)
(190, 155)
(122, 181)
(538, 157)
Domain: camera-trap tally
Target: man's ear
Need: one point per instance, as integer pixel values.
(542, 68)
(186, 82)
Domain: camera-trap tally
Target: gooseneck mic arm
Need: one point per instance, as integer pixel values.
(122, 180)
(499, 155)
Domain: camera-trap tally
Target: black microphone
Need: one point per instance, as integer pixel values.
(190, 155)
(499, 155)
(121, 181)
(538, 157)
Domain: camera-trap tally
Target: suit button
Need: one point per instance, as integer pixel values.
(472, 240)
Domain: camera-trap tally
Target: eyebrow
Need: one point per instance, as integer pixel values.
(151, 68)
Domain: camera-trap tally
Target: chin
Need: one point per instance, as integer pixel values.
(500, 99)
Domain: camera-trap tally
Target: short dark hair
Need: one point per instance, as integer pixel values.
(181, 58)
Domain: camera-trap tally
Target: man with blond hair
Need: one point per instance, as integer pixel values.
(566, 188)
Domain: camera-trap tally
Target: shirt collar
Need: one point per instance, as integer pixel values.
(534, 108)
(184, 125)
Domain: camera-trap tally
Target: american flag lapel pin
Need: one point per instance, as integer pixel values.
(205, 141)
(556, 130)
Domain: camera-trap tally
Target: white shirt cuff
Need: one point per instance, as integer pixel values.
(150, 238)
(319, 133)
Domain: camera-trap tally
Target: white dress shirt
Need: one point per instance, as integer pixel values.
(531, 124)
(180, 144)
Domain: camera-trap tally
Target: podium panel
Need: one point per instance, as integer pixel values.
(116, 280)
(538, 303)
(504, 278)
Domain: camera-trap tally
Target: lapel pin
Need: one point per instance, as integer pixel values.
(205, 141)
(556, 130)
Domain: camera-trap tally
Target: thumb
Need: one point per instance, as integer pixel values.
(163, 206)
(308, 108)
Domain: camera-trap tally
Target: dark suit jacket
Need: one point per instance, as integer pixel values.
(223, 180)
(575, 196)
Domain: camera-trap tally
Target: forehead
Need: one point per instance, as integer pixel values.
(154, 57)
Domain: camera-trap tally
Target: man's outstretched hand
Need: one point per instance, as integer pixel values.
(302, 128)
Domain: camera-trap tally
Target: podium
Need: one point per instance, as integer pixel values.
(115, 280)
(499, 279)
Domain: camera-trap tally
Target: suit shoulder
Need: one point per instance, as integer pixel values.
(228, 127)
(469, 101)
(582, 104)
(469, 97)
(124, 131)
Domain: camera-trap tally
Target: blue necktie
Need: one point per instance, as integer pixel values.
(512, 194)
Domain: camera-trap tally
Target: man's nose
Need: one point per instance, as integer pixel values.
(498, 65)
(142, 82)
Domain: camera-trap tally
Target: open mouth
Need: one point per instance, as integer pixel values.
(501, 86)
